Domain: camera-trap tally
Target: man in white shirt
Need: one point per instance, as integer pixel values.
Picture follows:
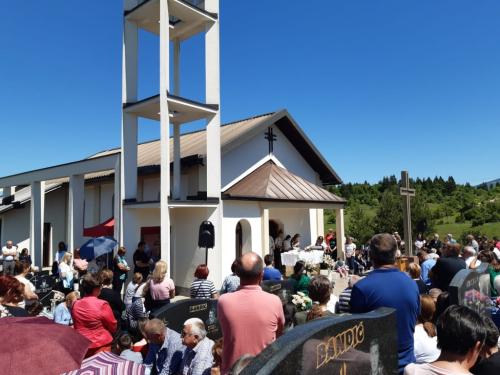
(9, 254)
(469, 254)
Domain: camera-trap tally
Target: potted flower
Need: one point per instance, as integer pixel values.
(330, 264)
(311, 268)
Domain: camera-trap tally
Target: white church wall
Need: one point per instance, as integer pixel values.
(106, 205)
(246, 155)
(150, 189)
(88, 217)
(16, 227)
(233, 212)
(295, 220)
(55, 213)
(185, 254)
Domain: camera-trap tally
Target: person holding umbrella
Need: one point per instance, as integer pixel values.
(92, 317)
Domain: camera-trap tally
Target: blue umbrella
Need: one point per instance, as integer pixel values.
(96, 247)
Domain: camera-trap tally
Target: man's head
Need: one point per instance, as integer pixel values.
(156, 250)
(452, 248)
(268, 260)
(496, 239)
(374, 355)
(422, 256)
(9, 244)
(383, 249)
(470, 238)
(250, 269)
(280, 234)
(193, 332)
(491, 342)
(141, 246)
(469, 252)
(449, 236)
(353, 280)
(436, 236)
(155, 331)
(434, 293)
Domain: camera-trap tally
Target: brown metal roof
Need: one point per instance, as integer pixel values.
(273, 183)
(194, 144)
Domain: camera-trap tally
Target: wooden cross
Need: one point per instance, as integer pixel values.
(406, 193)
(271, 138)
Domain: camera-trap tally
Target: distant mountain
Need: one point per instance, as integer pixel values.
(489, 183)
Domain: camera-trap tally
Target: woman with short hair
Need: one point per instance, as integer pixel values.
(425, 337)
(461, 333)
(115, 302)
(66, 273)
(162, 288)
(121, 270)
(22, 268)
(12, 292)
(92, 317)
(201, 287)
(319, 290)
(62, 314)
(415, 271)
(300, 281)
(231, 282)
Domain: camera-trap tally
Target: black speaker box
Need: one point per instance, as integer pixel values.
(206, 237)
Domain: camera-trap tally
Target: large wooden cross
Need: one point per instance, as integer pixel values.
(406, 193)
(271, 138)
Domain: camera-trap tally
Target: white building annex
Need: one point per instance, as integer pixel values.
(232, 175)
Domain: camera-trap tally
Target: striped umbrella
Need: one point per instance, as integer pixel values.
(106, 363)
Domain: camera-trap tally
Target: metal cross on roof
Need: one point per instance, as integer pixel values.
(271, 138)
(406, 193)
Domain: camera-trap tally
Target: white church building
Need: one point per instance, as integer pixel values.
(249, 178)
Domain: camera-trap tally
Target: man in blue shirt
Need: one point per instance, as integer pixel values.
(386, 286)
(270, 273)
(426, 263)
(165, 348)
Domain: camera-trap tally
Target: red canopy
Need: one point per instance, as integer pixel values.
(104, 229)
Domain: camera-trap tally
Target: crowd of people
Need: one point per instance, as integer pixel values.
(434, 337)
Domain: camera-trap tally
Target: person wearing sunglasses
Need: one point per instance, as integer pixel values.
(197, 358)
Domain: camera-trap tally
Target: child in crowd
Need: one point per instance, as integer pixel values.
(125, 349)
(341, 268)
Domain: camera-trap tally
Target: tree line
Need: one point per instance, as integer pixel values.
(451, 202)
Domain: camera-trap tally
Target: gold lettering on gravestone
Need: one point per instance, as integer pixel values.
(335, 346)
(272, 288)
(343, 371)
(197, 308)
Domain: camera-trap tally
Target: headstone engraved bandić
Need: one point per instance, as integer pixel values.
(175, 314)
(340, 345)
(43, 288)
(471, 288)
(281, 288)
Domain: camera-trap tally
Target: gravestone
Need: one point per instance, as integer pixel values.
(175, 314)
(344, 345)
(44, 284)
(281, 288)
(471, 288)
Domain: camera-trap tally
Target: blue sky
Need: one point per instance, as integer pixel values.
(378, 86)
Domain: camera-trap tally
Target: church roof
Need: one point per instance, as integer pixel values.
(270, 182)
(194, 146)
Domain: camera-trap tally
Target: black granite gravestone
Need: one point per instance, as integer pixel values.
(281, 288)
(471, 288)
(175, 314)
(43, 288)
(342, 345)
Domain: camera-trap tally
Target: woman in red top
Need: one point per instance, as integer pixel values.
(93, 317)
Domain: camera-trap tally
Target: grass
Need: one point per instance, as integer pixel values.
(491, 229)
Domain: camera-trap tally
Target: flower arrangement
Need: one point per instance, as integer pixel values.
(329, 261)
(58, 296)
(311, 268)
(301, 300)
(476, 301)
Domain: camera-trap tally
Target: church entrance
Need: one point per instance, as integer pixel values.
(243, 238)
